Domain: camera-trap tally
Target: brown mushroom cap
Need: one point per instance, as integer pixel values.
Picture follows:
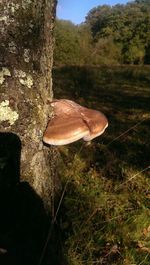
(64, 130)
(72, 122)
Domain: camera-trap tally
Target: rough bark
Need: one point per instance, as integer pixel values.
(26, 49)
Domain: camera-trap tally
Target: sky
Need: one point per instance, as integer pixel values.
(76, 10)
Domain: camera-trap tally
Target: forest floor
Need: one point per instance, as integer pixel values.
(104, 214)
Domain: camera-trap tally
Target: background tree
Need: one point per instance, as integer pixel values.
(85, 43)
(67, 50)
(106, 52)
(127, 25)
(110, 35)
(72, 43)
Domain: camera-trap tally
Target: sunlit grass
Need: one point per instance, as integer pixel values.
(105, 217)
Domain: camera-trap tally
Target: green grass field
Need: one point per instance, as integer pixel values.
(104, 215)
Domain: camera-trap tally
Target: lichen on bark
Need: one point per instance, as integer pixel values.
(26, 48)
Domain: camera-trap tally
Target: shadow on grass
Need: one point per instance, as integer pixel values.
(24, 223)
(100, 223)
(103, 213)
(122, 94)
(84, 224)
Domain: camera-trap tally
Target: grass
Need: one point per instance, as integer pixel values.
(104, 216)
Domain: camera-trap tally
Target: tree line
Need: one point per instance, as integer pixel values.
(117, 34)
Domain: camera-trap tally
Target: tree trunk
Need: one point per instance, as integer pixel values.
(25, 85)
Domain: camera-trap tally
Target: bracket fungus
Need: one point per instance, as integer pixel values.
(72, 122)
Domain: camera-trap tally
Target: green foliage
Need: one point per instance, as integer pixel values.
(110, 35)
(72, 43)
(127, 24)
(85, 44)
(67, 43)
(106, 52)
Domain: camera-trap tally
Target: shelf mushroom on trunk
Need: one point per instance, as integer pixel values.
(72, 122)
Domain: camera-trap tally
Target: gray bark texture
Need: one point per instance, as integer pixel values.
(26, 51)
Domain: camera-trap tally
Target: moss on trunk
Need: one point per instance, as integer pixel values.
(26, 84)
